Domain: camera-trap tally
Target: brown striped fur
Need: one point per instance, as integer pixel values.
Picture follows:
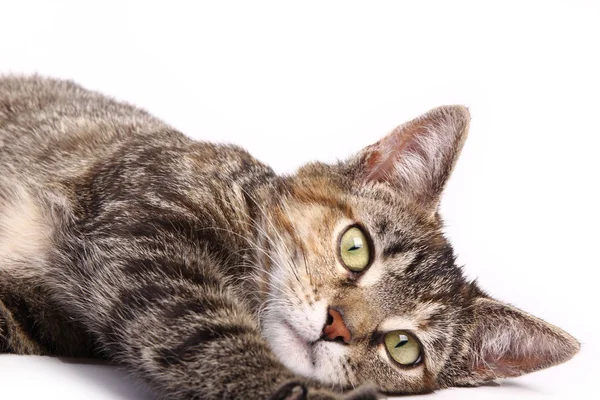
(206, 275)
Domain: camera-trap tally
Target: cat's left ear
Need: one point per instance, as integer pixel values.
(507, 342)
(415, 158)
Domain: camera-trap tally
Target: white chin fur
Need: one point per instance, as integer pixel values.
(292, 350)
(321, 360)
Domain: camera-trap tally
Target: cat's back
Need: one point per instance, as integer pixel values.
(31, 100)
(76, 160)
(55, 128)
(60, 140)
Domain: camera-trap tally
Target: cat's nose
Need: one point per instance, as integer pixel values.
(335, 328)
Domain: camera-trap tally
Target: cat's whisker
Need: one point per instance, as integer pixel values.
(255, 245)
(265, 234)
(275, 230)
(269, 303)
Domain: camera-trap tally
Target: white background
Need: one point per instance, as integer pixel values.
(315, 80)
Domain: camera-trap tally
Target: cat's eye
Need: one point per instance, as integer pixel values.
(403, 347)
(354, 249)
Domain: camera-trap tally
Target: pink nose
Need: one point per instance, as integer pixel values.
(335, 327)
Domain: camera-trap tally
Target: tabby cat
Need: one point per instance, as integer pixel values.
(204, 274)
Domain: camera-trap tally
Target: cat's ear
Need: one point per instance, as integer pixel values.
(415, 158)
(508, 342)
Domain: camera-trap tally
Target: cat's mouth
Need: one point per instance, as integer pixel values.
(305, 345)
(319, 359)
(300, 345)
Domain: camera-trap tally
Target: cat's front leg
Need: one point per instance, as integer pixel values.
(295, 390)
(193, 344)
(189, 337)
(182, 330)
(13, 339)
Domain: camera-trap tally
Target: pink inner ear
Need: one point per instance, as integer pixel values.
(512, 361)
(507, 367)
(385, 155)
(510, 342)
(416, 158)
(376, 164)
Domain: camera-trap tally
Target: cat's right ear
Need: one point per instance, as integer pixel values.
(506, 342)
(417, 157)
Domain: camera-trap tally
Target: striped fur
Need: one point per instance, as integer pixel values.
(206, 275)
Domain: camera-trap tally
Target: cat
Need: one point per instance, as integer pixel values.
(201, 272)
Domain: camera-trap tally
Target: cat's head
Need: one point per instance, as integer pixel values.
(362, 284)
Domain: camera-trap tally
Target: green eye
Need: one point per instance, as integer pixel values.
(403, 347)
(354, 250)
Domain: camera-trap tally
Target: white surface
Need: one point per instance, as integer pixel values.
(319, 81)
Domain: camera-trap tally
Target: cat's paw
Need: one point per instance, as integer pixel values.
(365, 392)
(291, 391)
(299, 391)
(362, 393)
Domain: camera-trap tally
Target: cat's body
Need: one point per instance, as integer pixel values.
(90, 188)
(206, 275)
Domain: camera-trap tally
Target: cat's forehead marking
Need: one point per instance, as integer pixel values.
(321, 193)
(413, 320)
(405, 323)
(381, 268)
(372, 276)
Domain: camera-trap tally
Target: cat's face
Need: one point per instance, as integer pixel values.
(362, 285)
